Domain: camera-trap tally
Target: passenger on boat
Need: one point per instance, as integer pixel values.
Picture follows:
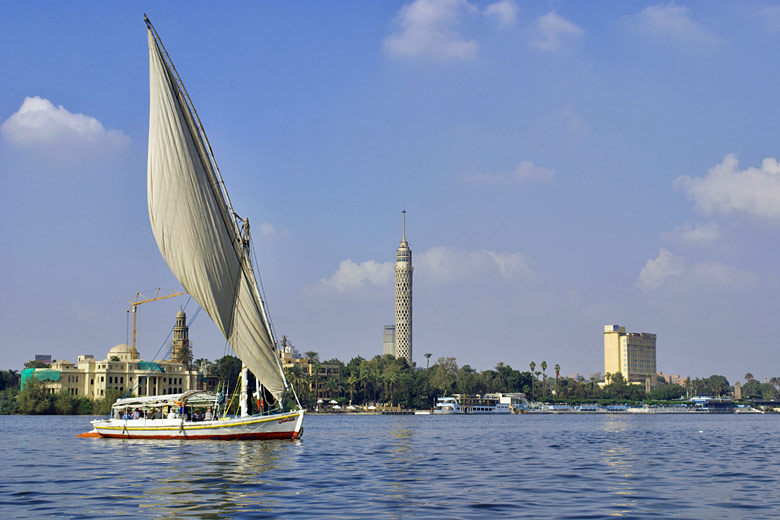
(126, 415)
(196, 415)
(172, 413)
(157, 414)
(208, 416)
(137, 414)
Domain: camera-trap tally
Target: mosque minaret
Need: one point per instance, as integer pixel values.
(403, 298)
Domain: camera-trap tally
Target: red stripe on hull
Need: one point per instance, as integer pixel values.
(228, 437)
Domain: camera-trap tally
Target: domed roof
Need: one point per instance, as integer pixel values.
(122, 348)
(181, 314)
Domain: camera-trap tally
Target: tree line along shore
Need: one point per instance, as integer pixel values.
(392, 381)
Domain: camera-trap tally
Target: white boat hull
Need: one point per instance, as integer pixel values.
(279, 426)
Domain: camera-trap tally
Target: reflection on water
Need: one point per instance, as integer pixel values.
(218, 479)
(618, 455)
(396, 467)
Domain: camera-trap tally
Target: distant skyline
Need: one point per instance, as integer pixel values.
(565, 165)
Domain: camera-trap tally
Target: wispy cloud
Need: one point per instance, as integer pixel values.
(525, 171)
(672, 22)
(268, 231)
(505, 12)
(429, 28)
(657, 270)
(434, 28)
(553, 31)
(446, 264)
(727, 189)
(695, 234)
(668, 266)
(441, 265)
(572, 122)
(47, 129)
(351, 276)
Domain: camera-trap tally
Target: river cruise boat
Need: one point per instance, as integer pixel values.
(480, 404)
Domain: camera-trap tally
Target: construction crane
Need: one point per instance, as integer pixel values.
(139, 299)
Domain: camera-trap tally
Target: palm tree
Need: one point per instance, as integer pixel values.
(749, 377)
(533, 366)
(352, 380)
(427, 359)
(544, 377)
(183, 355)
(557, 377)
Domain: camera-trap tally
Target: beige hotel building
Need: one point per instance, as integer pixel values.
(631, 354)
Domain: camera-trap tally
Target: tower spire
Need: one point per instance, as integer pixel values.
(403, 237)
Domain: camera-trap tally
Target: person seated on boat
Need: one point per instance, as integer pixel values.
(126, 415)
(157, 414)
(208, 416)
(137, 414)
(172, 413)
(196, 415)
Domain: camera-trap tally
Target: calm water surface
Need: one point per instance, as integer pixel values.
(529, 466)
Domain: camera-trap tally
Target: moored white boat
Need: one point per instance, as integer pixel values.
(446, 406)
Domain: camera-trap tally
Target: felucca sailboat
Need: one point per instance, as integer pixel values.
(207, 247)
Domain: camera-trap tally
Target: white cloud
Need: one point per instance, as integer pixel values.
(696, 234)
(656, 271)
(672, 22)
(703, 274)
(727, 189)
(552, 30)
(441, 264)
(446, 264)
(351, 276)
(428, 28)
(525, 171)
(39, 125)
(505, 12)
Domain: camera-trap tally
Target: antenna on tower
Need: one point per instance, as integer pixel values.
(403, 239)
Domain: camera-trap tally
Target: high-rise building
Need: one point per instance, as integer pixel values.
(403, 298)
(631, 354)
(388, 340)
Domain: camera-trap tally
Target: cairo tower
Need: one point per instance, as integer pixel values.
(403, 299)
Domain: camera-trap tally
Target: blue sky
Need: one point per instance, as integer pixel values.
(564, 165)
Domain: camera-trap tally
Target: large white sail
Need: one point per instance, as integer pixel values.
(195, 230)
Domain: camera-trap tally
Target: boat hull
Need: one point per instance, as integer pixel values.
(262, 427)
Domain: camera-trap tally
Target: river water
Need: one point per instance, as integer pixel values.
(387, 467)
